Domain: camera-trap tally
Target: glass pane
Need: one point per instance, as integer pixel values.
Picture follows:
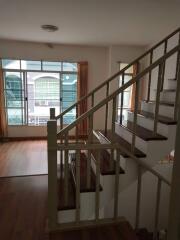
(127, 78)
(14, 95)
(126, 101)
(69, 67)
(69, 82)
(10, 64)
(38, 112)
(46, 88)
(124, 115)
(13, 80)
(69, 117)
(15, 116)
(51, 66)
(30, 65)
(14, 104)
(43, 93)
(69, 96)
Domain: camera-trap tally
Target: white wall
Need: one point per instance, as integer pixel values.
(102, 63)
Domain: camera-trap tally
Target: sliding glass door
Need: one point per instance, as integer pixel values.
(33, 87)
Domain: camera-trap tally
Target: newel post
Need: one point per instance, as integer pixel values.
(52, 170)
(174, 212)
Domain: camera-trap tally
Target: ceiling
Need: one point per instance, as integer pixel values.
(89, 22)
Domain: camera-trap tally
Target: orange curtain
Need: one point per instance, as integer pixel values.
(133, 91)
(3, 120)
(82, 86)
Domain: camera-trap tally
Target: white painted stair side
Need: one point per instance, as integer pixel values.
(168, 131)
(155, 150)
(168, 96)
(167, 111)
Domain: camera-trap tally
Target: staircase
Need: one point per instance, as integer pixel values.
(88, 178)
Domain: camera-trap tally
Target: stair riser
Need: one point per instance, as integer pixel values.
(166, 111)
(172, 84)
(147, 123)
(168, 96)
(155, 150)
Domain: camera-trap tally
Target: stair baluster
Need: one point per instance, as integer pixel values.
(107, 107)
(138, 199)
(164, 65)
(97, 195)
(177, 98)
(77, 164)
(149, 79)
(116, 188)
(158, 195)
(159, 83)
(122, 100)
(66, 169)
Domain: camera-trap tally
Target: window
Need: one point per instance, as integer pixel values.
(34, 87)
(127, 93)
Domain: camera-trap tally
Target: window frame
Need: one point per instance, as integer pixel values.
(24, 72)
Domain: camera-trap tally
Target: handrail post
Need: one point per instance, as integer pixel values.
(135, 116)
(61, 141)
(158, 97)
(52, 113)
(66, 170)
(178, 57)
(157, 209)
(52, 172)
(138, 200)
(116, 188)
(164, 65)
(107, 109)
(177, 98)
(149, 80)
(122, 100)
(97, 194)
(77, 186)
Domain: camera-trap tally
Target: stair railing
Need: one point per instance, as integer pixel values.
(112, 97)
(107, 83)
(142, 167)
(66, 146)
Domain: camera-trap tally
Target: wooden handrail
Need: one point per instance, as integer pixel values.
(118, 73)
(118, 91)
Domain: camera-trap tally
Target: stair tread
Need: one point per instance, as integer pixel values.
(83, 174)
(115, 137)
(71, 202)
(161, 119)
(105, 161)
(142, 132)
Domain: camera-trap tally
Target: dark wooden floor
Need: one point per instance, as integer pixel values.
(23, 158)
(23, 200)
(23, 208)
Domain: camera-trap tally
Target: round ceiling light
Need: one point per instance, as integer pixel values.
(49, 28)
